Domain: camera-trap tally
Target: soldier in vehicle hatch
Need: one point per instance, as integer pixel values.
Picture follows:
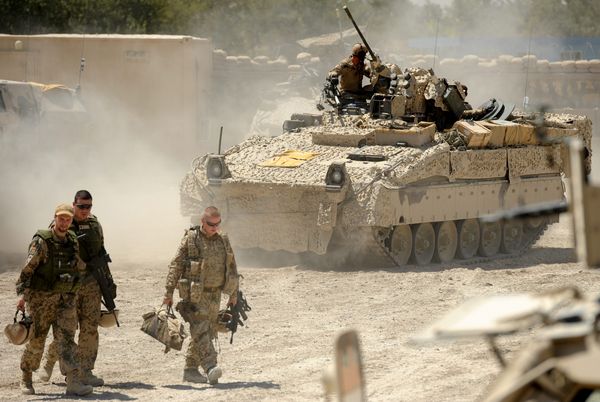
(350, 72)
(203, 268)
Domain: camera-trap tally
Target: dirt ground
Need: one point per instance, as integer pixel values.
(296, 312)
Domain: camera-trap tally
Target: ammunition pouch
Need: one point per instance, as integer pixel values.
(189, 312)
(195, 270)
(183, 286)
(66, 283)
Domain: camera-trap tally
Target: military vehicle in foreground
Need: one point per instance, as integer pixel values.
(560, 363)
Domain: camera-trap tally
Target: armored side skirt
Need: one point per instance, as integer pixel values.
(303, 218)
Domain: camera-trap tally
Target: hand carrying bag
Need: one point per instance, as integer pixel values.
(165, 327)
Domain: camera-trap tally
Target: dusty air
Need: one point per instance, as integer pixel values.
(333, 200)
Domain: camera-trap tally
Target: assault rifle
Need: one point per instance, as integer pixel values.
(108, 288)
(238, 310)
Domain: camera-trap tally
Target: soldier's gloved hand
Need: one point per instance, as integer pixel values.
(21, 304)
(168, 301)
(232, 300)
(333, 80)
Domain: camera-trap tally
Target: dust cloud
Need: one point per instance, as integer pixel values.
(127, 166)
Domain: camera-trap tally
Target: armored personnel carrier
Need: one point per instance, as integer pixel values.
(406, 176)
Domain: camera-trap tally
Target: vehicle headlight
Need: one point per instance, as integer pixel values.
(216, 169)
(336, 176)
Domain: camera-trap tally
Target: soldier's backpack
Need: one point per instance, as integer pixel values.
(165, 327)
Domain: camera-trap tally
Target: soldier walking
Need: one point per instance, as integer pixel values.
(89, 298)
(48, 283)
(203, 268)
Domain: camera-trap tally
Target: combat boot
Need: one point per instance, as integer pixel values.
(76, 387)
(89, 378)
(214, 374)
(27, 383)
(46, 373)
(193, 375)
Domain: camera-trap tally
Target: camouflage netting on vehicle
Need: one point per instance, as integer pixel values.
(244, 164)
(559, 126)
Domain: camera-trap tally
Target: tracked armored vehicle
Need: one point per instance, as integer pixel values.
(405, 176)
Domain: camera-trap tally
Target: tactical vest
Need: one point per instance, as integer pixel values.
(194, 278)
(58, 272)
(197, 248)
(89, 234)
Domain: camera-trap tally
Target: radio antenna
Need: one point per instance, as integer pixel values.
(525, 97)
(220, 138)
(81, 63)
(437, 26)
(81, 56)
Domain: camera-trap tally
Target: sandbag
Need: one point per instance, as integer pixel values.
(165, 327)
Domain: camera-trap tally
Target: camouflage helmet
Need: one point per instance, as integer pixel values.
(19, 332)
(108, 319)
(359, 50)
(223, 319)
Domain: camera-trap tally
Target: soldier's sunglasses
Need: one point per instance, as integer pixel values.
(213, 224)
(84, 206)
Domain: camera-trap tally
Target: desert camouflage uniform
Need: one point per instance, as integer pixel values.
(209, 265)
(89, 297)
(351, 76)
(50, 306)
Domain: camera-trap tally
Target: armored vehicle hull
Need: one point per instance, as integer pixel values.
(384, 188)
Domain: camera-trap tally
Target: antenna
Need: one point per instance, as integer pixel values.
(437, 26)
(81, 63)
(525, 97)
(337, 13)
(81, 58)
(220, 138)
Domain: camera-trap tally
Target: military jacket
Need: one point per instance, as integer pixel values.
(351, 76)
(52, 264)
(207, 262)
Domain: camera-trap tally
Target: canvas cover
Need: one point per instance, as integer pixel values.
(165, 327)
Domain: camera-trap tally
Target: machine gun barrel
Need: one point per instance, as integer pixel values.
(373, 57)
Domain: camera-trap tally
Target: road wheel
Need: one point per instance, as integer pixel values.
(512, 236)
(491, 237)
(423, 243)
(446, 239)
(401, 242)
(468, 238)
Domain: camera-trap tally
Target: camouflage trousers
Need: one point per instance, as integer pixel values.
(51, 309)
(201, 351)
(88, 303)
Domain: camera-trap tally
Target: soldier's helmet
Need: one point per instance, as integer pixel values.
(359, 50)
(223, 319)
(19, 332)
(108, 319)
